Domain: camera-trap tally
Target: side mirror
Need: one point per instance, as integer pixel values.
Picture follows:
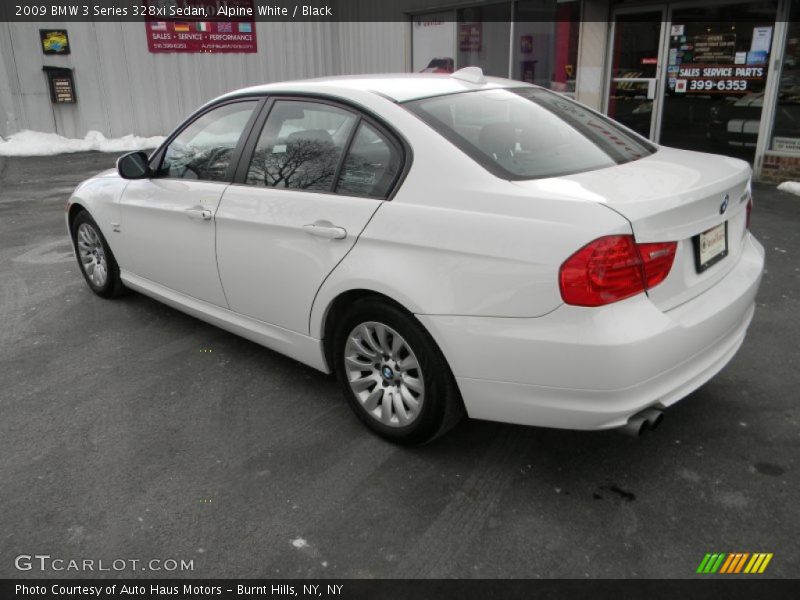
(133, 166)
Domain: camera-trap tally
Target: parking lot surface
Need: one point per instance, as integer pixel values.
(129, 430)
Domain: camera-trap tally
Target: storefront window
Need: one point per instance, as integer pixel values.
(716, 74)
(434, 42)
(786, 128)
(546, 43)
(483, 33)
(544, 48)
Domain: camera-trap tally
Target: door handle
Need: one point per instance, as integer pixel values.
(326, 230)
(198, 212)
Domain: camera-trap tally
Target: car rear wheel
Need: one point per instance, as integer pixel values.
(394, 376)
(97, 263)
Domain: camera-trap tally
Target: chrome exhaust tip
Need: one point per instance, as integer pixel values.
(653, 416)
(648, 419)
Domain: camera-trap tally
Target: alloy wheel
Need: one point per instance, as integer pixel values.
(384, 374)
(92, 255)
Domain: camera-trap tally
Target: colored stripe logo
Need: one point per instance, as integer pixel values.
(733, 563)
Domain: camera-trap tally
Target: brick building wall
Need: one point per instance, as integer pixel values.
(776, 168)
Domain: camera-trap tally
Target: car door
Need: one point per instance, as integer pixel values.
(167, 229)
(308, 184)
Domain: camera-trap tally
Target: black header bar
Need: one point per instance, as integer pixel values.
(286, 11)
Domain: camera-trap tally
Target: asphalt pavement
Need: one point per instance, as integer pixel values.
(131, 431)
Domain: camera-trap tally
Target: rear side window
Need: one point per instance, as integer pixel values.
(371, 166)
(300, 146)
(203, 150)
(529, 133)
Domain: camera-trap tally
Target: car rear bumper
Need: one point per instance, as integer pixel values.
(592, 368)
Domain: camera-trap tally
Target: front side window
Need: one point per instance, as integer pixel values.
(300, 146)
(204, 149)
(371, 165)
(529, 133)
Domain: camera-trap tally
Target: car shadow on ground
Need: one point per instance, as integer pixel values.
(557, 455)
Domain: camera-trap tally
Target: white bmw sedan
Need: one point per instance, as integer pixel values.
(444, 244)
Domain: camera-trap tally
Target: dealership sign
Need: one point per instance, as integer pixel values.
(717, 78)
(211, 35)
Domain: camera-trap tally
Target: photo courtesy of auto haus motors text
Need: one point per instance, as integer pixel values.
(430, 299)
(177, 591)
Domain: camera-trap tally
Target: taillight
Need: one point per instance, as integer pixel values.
(612, 268)
(749, 212)
(657, 261)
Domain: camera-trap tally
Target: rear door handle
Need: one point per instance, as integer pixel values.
(326, 230)
(198, 212)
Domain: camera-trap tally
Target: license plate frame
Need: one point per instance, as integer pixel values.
(710, 261)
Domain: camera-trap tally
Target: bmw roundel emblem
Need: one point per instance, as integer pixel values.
(724, 206)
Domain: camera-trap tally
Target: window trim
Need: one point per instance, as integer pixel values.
(343, 158)
(402, 146)
(157, 158)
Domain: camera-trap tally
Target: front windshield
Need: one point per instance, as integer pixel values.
(529, 133)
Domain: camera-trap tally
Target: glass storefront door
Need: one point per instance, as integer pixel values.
(635, 61)
(717, 63)
(692, 77)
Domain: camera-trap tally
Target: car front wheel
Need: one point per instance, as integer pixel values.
(95, 258)
(393, 374)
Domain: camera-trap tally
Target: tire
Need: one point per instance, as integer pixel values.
(423, 400)
(95, 259)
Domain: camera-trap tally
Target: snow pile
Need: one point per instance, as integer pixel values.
(37, 143)
(793, 187)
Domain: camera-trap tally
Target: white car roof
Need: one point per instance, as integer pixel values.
(400, 87)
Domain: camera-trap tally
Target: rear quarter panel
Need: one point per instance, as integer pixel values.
(456, 240)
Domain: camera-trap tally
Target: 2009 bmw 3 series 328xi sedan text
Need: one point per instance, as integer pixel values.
(445, 244)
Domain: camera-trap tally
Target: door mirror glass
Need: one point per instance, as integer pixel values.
(133, 166)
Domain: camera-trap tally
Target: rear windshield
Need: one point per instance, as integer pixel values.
(529, 133)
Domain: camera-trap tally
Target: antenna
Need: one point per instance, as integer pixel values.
(470, 74)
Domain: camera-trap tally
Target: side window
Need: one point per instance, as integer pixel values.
(371, 166)
(300, 146)
(203, 150)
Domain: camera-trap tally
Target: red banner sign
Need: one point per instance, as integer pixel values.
(205, 33)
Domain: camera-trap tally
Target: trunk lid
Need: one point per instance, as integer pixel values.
(672, 195)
